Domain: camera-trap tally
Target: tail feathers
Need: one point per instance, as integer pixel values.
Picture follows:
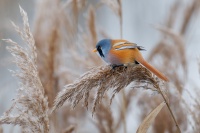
(152, 69)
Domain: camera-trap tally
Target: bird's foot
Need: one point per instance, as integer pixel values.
(133, 64)
(114, 66)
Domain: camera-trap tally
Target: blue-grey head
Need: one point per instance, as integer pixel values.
(103, 47)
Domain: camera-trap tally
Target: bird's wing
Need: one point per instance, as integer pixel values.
(126, 45)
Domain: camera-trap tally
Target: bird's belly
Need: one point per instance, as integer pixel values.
(114, 60)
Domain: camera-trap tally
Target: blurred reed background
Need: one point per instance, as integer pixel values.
(66, 31)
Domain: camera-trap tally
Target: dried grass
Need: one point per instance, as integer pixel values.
(46, 42)
(30, 108)
(150, 118)
(189, 12)
(191, 111)
(103, 78)
(66, 44)
(91, 25)
(104, 118)
(1, 129)
(172, 47)
(69, 129)
(57, 47)
(78, 91)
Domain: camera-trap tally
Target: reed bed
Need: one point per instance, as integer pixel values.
(63, 84)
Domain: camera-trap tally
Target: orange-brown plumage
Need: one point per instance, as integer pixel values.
(124, 52)
(141, 60)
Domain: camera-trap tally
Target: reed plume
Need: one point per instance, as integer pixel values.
(30, 108)
(65, 32)
(102, 79)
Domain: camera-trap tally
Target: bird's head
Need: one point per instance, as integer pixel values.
(103, 47)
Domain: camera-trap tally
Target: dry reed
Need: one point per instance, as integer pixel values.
(69, 129)
(103, 78)
(47, 49)
(30, 108)
(1, 129)
(62, 20)
(104, 120)
(172, 47)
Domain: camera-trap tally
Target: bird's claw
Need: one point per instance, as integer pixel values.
(114, 66)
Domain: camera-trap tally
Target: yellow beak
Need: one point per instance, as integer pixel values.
(95, 50)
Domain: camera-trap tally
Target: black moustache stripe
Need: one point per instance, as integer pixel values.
(100, 52)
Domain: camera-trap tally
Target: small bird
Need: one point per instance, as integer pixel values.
(123, 53)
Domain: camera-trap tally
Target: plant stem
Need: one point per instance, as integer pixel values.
(167, 103)
(123, 92)
(120, 18)
(124, 107)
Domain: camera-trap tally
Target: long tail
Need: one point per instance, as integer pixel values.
(151, 68)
